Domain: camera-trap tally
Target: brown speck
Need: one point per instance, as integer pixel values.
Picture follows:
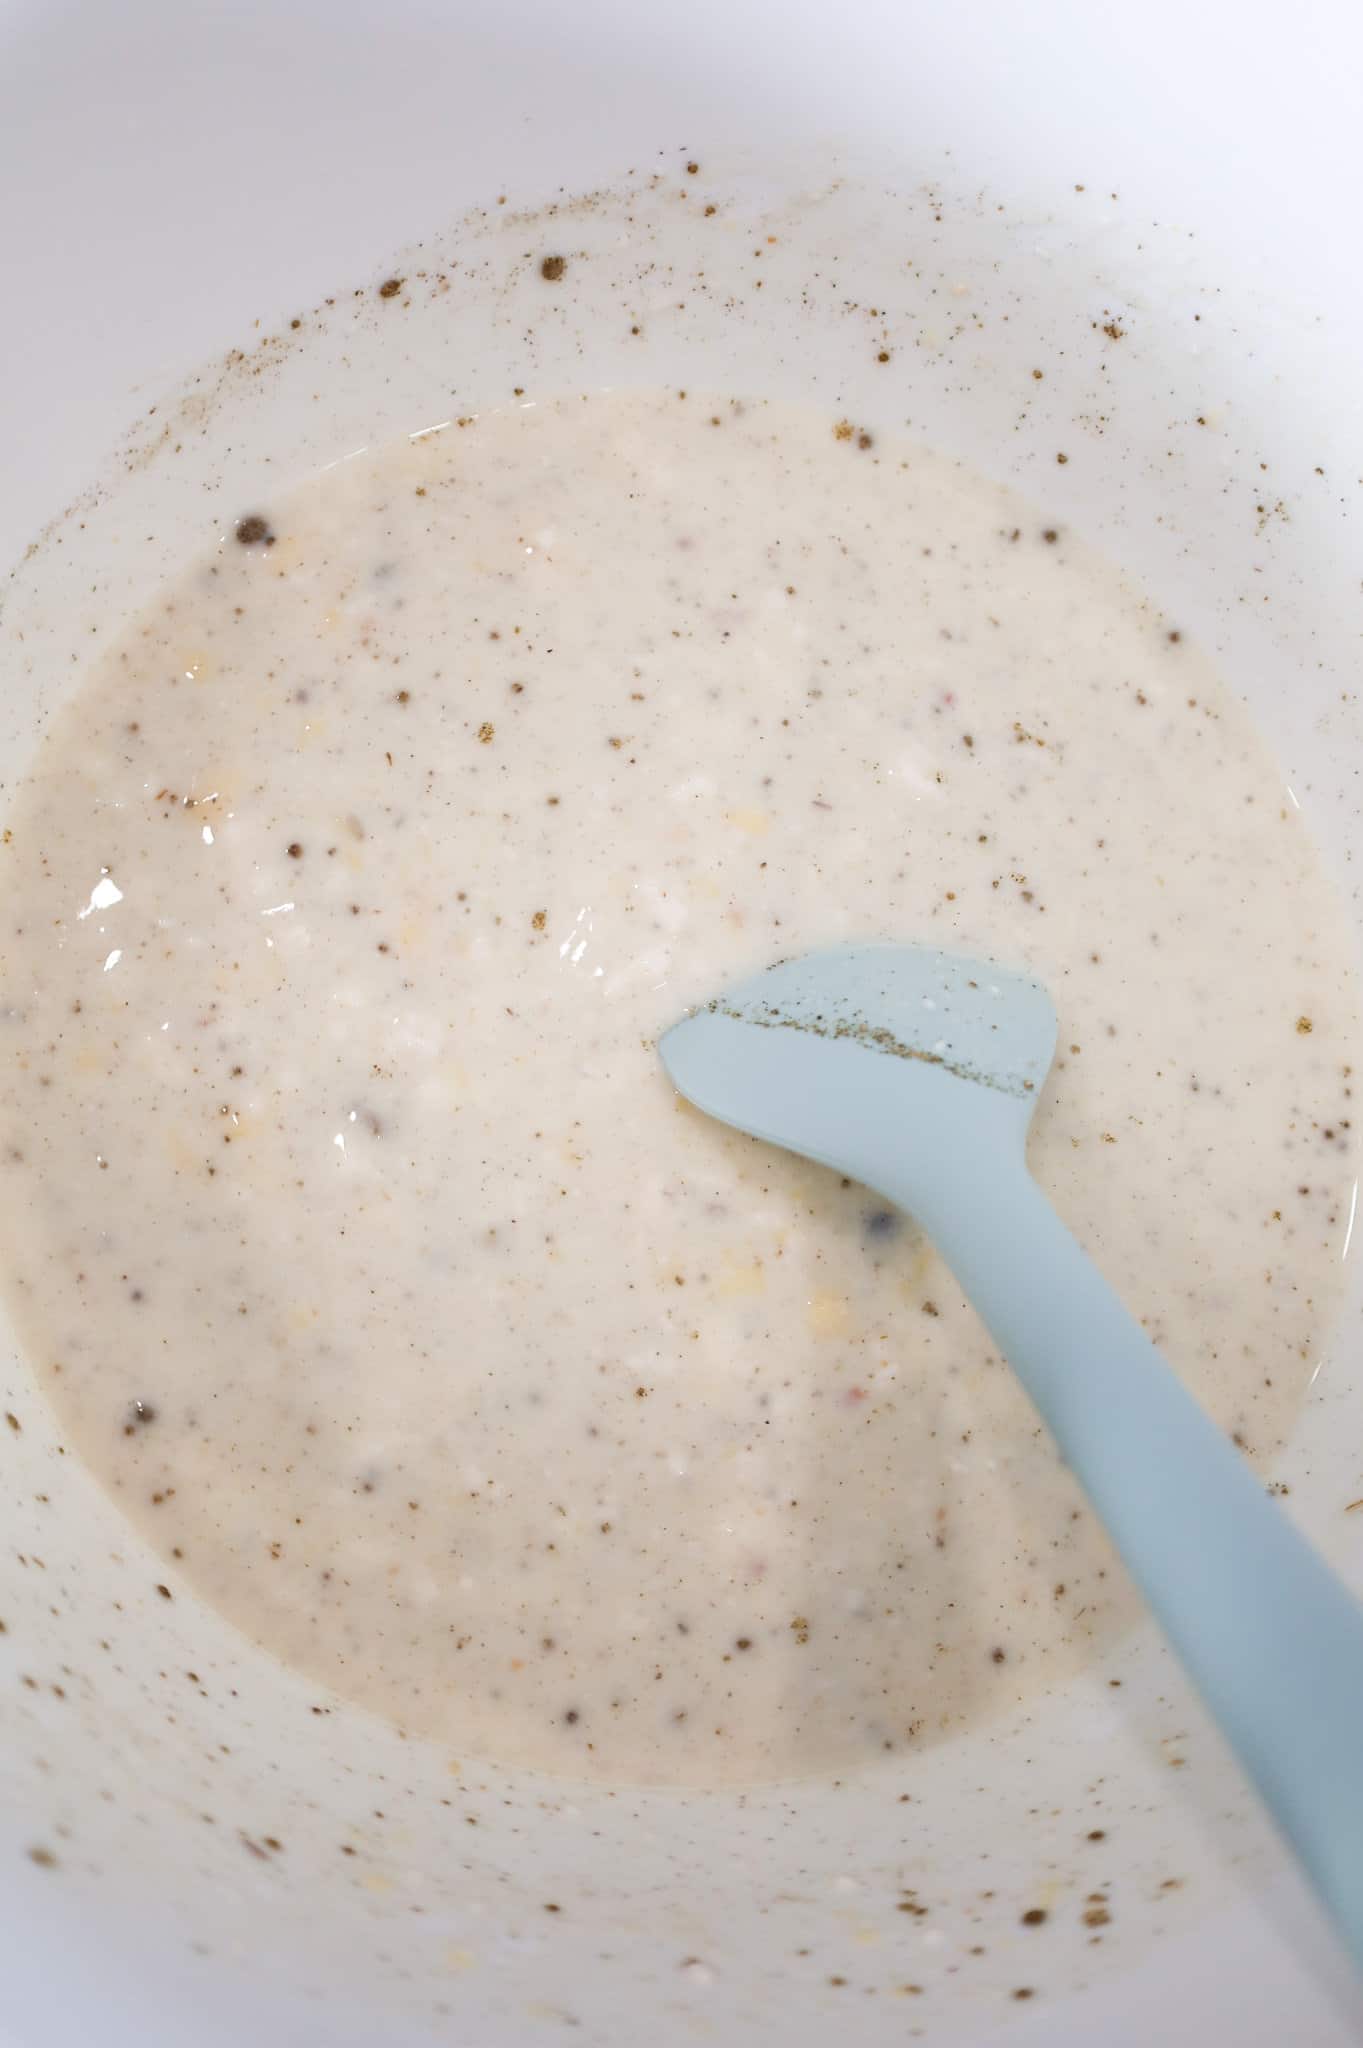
(486, 732)
(390, 287)
(538, 920)
(164, 1591)
(13, 1421)
(930, 1308)
(884, 356)
(691, 170)
(552, 268)
(843, 431)
(743, 1643)
(1050, 536)
(572, 1717)
(1304, 1025)
(1112, 330)
(550, 1907)
(1024, 1991)
(253, 530)
(1062, 457)
(44, 1858)
(1035, 1916)
(1096, 1916)
(864, 440)
(1097, 1834)
(998, 1656)
(295, 849)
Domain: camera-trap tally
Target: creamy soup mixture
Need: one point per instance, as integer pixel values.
(352, 1225)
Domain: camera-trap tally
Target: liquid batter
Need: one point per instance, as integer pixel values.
(353, 1226)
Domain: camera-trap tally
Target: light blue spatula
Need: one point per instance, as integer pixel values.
(917, 1073)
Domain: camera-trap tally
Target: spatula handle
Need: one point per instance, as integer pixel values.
(1271, 1638)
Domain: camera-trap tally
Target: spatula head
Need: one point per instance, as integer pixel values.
(839, 1054)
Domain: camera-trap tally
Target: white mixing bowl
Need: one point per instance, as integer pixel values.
(1149, 206)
